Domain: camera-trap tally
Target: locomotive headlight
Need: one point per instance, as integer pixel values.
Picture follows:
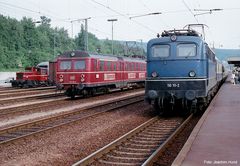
(82, 79)
(154, 74)
(61, 76)
(173, 38)
(192, 74)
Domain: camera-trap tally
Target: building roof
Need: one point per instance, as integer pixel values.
(234, 60)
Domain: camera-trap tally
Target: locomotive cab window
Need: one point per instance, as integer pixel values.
(43, 71)
(186, 50)
(65, 65)
(161, 51)
(79, 65)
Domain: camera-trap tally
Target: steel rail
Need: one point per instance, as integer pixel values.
(26, 107)
(29, 97)
(163, 146)
(13, 90)
(25, 93)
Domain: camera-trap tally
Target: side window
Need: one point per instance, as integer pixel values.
(101, 65)
(65, 65)
(95, 65)
(109, 66)
(126, 66)
(122, 66)
(210, 55)
(118, 66)
(114, 66)
(79, 65)
(161, 51)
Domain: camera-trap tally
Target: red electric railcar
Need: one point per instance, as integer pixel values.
(83, 73)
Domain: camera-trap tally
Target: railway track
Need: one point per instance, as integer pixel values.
(25, 93)
(5, 88)
(17, 99)
(14, 90)
(26, 129)
(33, 106)
(140, 146)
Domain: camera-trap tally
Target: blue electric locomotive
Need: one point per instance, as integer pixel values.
(182, 71)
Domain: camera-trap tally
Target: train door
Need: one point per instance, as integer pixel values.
(52, 72)
(122, 74)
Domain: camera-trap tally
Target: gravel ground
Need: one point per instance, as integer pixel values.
(67, 105)
(65, 146)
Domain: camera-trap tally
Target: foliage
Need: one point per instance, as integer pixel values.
(27, 43)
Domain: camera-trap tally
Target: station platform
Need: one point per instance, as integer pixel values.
(215, 139)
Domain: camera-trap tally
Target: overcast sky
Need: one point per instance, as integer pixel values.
(223, 31)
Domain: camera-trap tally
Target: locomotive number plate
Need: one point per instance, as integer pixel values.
(72, 77)
(173, 85)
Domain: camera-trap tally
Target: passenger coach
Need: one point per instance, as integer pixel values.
(83, 73)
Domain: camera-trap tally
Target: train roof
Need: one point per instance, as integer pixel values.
(43, 64)
(72, 54)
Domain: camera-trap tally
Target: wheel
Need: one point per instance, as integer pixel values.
(93, 92)
(159, 106)
(186, 106)
(73, 96)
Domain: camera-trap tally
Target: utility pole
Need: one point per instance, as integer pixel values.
(54, 42)
(112, 20)
(86, 34)
(85, 31)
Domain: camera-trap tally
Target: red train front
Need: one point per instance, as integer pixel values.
(83, 73)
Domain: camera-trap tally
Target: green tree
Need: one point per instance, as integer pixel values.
(80, 39)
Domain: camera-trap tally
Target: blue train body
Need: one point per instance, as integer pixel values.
(182, 71)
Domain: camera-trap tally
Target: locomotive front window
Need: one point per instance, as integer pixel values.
(186, 50)
(65, 65)
(161, 51)
(79, 65)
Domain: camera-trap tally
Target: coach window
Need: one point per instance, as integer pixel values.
(108, 66)
(114, 66)
(101, 65)
(80, 65)
(122, 66)
(186, 50)
(65, 65)
(95, 65)
(161, 51)
(118, 66)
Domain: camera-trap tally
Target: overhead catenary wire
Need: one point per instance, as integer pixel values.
(124, 16)
(185, 4)
(32, 11)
